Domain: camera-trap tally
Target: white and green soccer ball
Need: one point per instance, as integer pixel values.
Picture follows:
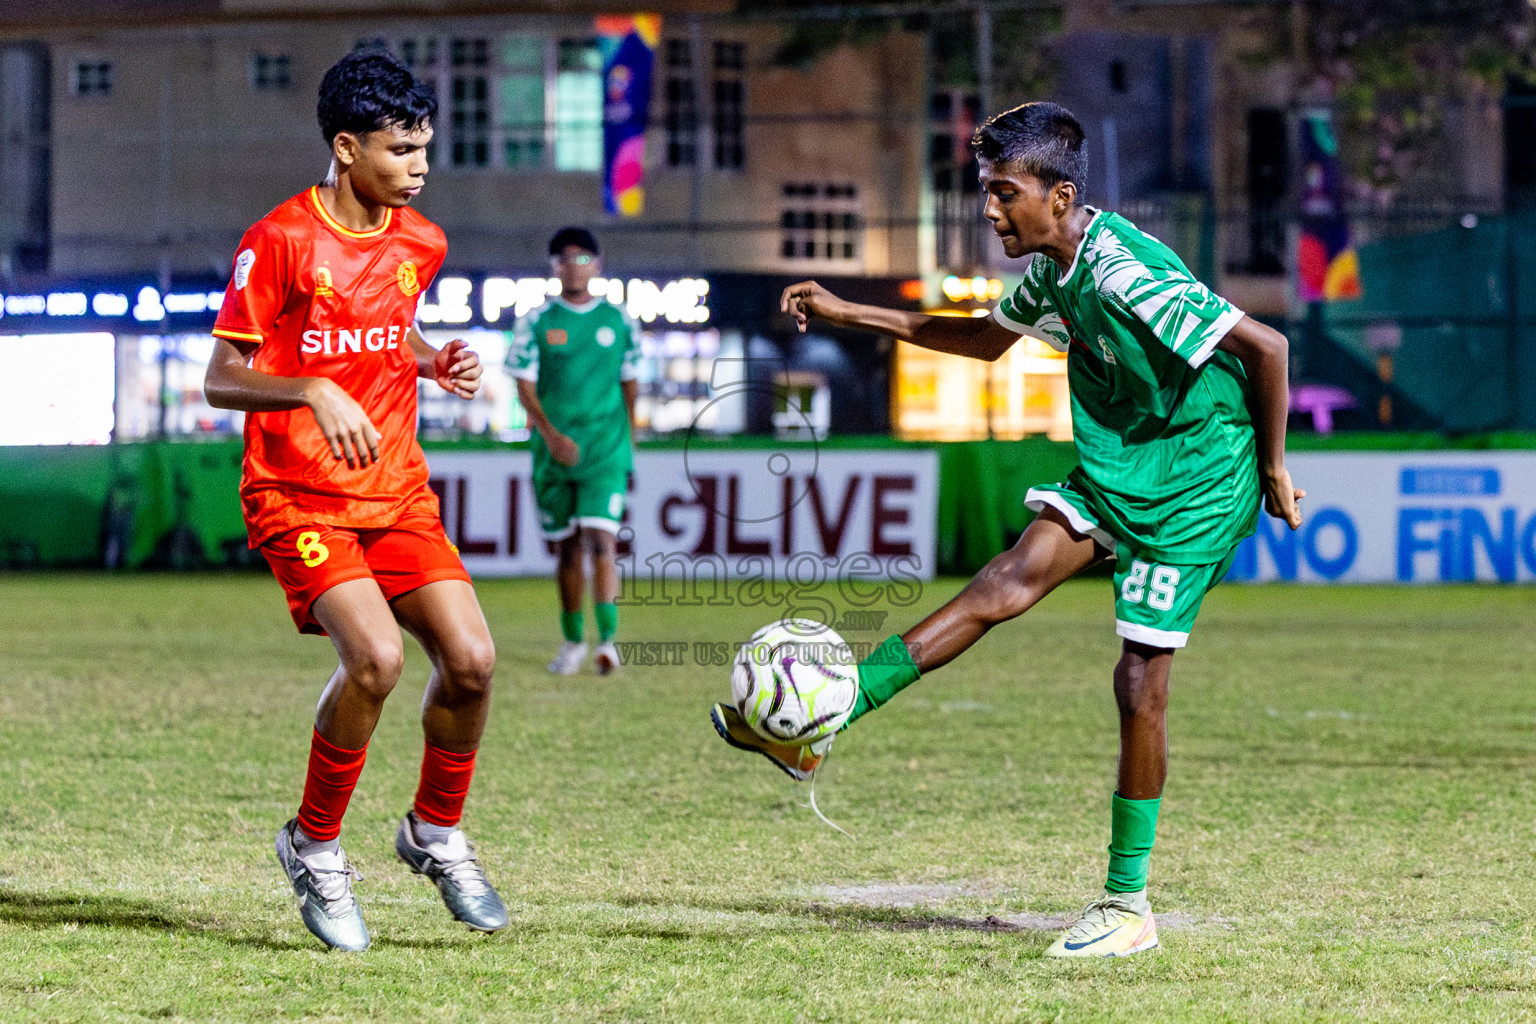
(795, 681)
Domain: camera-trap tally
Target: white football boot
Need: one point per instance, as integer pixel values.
(567, 660)
(606, 659)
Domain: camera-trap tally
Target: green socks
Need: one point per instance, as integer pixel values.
(887, 671)
(573, 627)
(607, 621)
(1133, 827)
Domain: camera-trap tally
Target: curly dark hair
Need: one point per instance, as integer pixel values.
(369, 90)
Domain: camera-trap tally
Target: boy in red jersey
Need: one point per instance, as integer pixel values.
(316, 340)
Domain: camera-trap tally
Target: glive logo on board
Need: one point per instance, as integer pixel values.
(721, 513)
(1449, 518)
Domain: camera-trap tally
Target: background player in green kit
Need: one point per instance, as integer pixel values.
(1178, 409)
(575, 360)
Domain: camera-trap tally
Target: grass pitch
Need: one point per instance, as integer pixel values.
(1346, 834)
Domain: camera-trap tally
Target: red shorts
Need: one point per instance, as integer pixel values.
(400, 558)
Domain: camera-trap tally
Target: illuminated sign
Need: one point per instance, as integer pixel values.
(193, 302)
(109, 304)
(148, 308)
(490, 301)
(681, 301)
(66, 304)
(25, 305)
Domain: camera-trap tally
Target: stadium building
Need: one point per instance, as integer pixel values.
(770, 154)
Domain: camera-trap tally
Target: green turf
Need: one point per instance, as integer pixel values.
(1347, 831)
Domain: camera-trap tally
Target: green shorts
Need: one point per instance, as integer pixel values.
(1155, 602)
(566, 505)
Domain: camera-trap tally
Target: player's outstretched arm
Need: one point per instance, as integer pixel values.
(974, 337)
(232, 384)
(454, 366)
(1265, 355)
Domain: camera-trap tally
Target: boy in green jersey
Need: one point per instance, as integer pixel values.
(575, 359)
(1179, 404)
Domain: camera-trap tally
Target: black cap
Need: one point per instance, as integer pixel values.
(579, 237)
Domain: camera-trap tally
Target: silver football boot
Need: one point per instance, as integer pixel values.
(323, 883)
(455, 870)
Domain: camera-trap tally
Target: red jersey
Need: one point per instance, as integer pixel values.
(323, 301)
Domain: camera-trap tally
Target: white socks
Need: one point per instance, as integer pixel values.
(304, 846)
(428, 834)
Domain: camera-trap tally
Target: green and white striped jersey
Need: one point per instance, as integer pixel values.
(1160, 417)
(577, 356)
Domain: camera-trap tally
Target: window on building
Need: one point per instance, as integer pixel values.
(520, 102)
(961, 239)
(579, 106)
(419, 55)
(1269, 163)
(730, 104)
(820, 222)
(271, 72)
(1119, 78)
(470, 109)
(682, 108)
(93, 78)
(952, 116)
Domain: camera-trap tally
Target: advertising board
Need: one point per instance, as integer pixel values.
(792, 512)
(1402, 517)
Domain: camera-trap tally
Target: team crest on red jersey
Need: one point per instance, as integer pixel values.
(405, 277)
(323, 281)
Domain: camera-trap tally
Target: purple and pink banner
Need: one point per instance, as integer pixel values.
(1327, 265)
(629, 52)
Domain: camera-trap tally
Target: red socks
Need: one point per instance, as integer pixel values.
(328, 788)
(333, 773)
(445, 780)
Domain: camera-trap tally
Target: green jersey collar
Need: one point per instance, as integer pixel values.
(1066, 275)
(585, 307)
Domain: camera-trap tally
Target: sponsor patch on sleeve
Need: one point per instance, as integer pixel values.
(243, 264)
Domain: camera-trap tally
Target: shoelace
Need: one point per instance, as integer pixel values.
(335, 886)
(1096, 913)
(826, 820)
(466, 873)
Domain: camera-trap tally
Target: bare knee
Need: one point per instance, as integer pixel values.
(1141, 680)
(469, 666)
(376, 667)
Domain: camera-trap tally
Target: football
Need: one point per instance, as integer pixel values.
(795, 681)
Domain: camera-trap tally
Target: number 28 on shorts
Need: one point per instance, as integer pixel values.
(1156, 584)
